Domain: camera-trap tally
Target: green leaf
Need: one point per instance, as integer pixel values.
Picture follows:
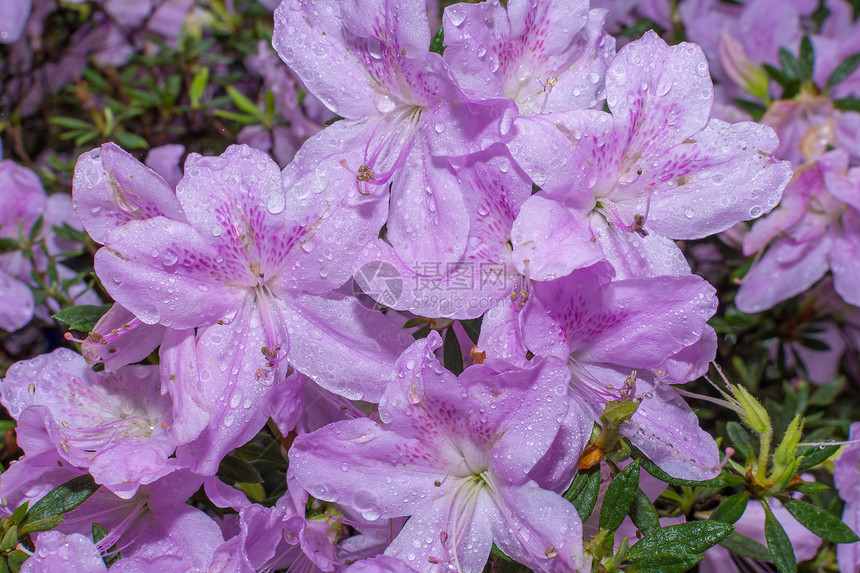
(112, 553)
(677, 540)
(237, 117)
(825, 394)
(732, 508)
(725, 479)
(814, 344)
(42, 524)
(234, 469)
(585, 497)
(844, 69)
(789, 64)
(437, 44)
(500, 554)
(806, 61)
(640, 27)
(451, 352)
(413, 322)
(814, 455)
(679, 565)
(643, 514)
(616, 412)
(82, 317)
(198, 85)
(16, 559)
(245, 104)
(745, 547)
(10, 539)
(8, 244)
(820, 522)
(69, 233)
(70, 123)
(778, 76)
(778, 544)
(19, 513)
(755, 109)
(811, 487)
(62, 499)
(619, 495)
(741, 439)
(847, 104)
(130, 140)
(472, 327)
(36, 228)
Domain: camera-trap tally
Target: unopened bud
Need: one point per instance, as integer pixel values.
(785, 453)
(754, 416)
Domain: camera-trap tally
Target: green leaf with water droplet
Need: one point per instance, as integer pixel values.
(82, 317)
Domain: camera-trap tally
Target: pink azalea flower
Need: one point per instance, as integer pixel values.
(656, 169)
(455, 454)
(369, 62)
(114, 425)
(815, 229)
(605, 331)
(846, 477)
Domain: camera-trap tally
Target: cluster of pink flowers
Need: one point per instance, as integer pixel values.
(528, 174)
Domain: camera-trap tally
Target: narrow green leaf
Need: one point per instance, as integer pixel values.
(643, 514)
(473, 328)
(36, 228)
(779, 544)
(806, 61)
(844, 69)
(684, 538)
(10, 539)
(198, 85)
(820, 522)
(451, 352)
(814, 344)
(237, 117)
(640, 27)
(62, 499)
(112, 553)
(811, 487)
(755, 109)
(789, 64)
(778, 76)
(234, 469)
(814, 455)
(16, 559)
(131, 140)
(586, 498)
(244, 103)
(19, 513)
(500, 554)
(8, 244)
(745, 547)
(619, 495)
(42, 524)
(70, 123)
(82, 317)
(732, 508)
(438, 43)
(825, 394)
(847, 104)
(69, 233)
(725, 479)
(741, 439)
(413, 322)
(678, 565)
